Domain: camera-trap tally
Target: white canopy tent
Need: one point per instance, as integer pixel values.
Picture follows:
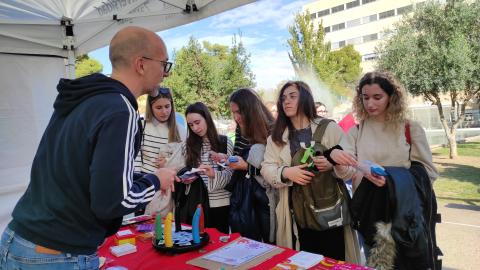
(39, 40)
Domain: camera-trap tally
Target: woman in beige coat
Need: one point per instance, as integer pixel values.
(296, 122)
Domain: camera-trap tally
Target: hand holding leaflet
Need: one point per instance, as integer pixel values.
(191, 175)
(369, 167)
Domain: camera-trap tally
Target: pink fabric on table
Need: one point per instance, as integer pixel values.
(147, 257)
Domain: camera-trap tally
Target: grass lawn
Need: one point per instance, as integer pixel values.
(459, 178)
(464, 149)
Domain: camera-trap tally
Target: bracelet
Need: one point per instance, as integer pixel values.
(329, 151)
(283, 179)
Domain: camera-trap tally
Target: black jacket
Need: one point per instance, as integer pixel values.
(82, 179)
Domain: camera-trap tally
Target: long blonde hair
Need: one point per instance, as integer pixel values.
(396, 112)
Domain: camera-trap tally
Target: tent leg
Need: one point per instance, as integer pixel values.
(70, 65)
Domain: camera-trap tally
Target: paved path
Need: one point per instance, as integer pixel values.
(459, 235)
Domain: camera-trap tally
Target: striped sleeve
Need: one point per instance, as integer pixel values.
(113, 191)
(222, 178)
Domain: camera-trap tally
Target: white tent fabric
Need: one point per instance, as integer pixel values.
(39, 40)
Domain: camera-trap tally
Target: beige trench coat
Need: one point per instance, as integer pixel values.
(275, 159)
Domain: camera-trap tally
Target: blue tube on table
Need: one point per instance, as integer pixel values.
(196, 226)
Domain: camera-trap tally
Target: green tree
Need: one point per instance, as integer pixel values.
(209, 74)
(192, 77)
(235, 74)
(309, 52)
(436, 53)
(84, 65)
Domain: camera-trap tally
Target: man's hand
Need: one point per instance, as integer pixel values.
(167, 177)
(297, 174)
(322, 164)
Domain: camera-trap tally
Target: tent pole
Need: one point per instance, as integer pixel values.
(70, 66)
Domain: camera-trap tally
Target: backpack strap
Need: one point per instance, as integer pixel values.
(223, 143)
(407, 133)
(320, 130)
(408, 137)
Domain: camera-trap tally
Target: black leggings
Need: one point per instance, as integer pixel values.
(218, 218)
(329, 243)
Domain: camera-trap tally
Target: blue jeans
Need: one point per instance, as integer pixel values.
(17, 253)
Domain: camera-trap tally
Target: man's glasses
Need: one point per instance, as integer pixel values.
(166, 65)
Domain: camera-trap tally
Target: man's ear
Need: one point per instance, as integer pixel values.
(138, 65)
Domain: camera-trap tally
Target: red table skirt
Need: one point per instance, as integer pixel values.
(147, 257)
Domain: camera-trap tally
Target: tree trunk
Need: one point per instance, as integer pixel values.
(450, 131)
(453, 144)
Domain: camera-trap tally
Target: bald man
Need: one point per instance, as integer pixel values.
(82, 181)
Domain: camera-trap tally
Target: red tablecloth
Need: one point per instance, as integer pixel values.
(147, 257)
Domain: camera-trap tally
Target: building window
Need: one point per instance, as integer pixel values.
(338, 8)
(386, 14)
(405, 9)
(353, 23)
(323, 13)
(337, 27)
(313, 16)
(354, 41)
(353, 4)
(341, 43)
(367, 1)
(335, 45)
(370, 37)
(326, 29)
(370, 18)
(370, 57)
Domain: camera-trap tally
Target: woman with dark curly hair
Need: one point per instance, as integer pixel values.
(386, 137)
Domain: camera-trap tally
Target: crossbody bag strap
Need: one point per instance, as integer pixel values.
(320, 130)
(408, 136)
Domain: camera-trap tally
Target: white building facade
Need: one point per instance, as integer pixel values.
(361, 23)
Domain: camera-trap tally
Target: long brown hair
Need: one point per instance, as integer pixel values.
(256, 116)
(194, 142)
(396, 111)
(306, 106)
(173, 134)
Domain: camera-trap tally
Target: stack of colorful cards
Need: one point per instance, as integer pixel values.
(124, 249)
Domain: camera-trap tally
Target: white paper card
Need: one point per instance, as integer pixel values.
(124, 232)
(305, 259)
(239, 252)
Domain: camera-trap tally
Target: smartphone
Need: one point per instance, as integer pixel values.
(136, 219)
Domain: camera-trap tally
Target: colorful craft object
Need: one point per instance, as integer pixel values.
(158, 229)
(168, 230)
(196, 225)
